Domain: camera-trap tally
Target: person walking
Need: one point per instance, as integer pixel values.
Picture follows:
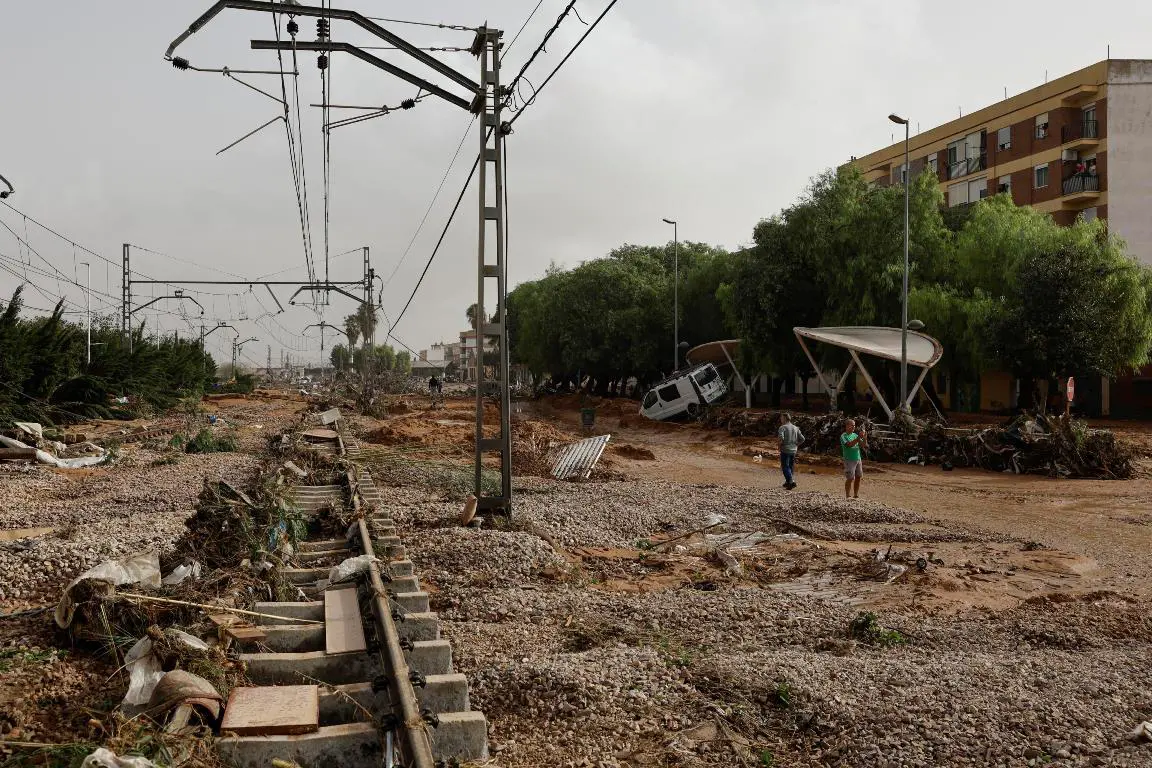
(790, 439)
(850, 442)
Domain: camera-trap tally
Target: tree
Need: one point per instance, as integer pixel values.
(1080, 307)
(341, 358)
(352, 329)
(471, 315)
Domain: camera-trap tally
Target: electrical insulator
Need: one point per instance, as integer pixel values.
(321, 29)
(322, 62)
(407, 103)
(179, 62)
(293, 27)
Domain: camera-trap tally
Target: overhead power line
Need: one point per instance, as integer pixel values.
(562, 61)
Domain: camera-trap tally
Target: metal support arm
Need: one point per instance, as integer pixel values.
(161, 298)
(275, 45)
(328, 13)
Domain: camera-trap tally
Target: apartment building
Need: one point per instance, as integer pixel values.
(1079, 145)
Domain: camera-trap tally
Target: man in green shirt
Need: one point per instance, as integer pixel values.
(850, 442)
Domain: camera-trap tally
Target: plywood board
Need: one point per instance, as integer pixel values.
(272, 710)
(343, 629)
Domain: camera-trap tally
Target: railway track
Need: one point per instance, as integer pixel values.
(387, 693)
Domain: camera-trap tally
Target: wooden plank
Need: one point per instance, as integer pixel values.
(272, 711)
(245, 634)
(343, 630)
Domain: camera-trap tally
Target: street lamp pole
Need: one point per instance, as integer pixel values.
(675, 294)
(88, 310)
(904, 296)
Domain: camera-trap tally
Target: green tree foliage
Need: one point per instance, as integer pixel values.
(340, 357)
(44, 375)
(610, 319)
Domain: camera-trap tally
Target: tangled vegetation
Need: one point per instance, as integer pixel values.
(44, 375)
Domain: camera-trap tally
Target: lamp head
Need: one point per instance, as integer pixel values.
(897, 119)
(669, 221)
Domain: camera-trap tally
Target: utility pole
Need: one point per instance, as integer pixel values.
(904, 293)
(126, 298)
(236, 347)
(675, 294)
(486, 47)
(88, 309)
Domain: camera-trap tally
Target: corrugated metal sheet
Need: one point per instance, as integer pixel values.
(577, 460)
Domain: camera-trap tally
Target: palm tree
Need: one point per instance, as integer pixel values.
(366, 320)
(472, 316)
(352, 329)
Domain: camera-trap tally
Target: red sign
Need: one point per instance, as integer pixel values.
(1071, 389)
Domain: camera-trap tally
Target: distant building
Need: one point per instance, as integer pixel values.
(430, 362)
(1079, 145)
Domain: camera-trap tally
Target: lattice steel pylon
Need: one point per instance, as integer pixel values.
(492, 132)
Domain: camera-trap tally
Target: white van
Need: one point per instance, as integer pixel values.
(683, 392)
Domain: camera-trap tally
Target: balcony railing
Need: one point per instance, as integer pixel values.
(1085, 129)
(968, 165)
(1081, 182)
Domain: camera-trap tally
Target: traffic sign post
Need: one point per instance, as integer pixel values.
(1070, 395)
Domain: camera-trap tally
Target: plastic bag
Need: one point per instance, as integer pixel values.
(349, 568)
(106, 758)
(142, 568)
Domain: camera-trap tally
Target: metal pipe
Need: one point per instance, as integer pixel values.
(675, 294)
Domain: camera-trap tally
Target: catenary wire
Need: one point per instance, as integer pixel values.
(562, 61)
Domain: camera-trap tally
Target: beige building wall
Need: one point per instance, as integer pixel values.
(1130, 155)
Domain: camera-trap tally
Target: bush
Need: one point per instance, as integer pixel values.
(207, 442)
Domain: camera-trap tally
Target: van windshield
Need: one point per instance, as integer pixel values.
(650, 399)
(706, 376)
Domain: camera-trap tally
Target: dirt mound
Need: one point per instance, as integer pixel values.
(634, 452)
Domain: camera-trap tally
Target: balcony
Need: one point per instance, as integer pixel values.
(1081, 190)
(965, 166)
(1080, 135)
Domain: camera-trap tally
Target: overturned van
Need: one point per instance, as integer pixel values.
(684, 393)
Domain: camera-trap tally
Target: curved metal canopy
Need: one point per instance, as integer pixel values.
(716, 352)
(923, 350)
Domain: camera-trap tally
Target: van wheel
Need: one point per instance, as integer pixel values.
(693, 409)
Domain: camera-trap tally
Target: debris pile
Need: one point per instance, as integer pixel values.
(1030, 444)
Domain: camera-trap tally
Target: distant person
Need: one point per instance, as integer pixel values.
(850, 442)
(790, 439)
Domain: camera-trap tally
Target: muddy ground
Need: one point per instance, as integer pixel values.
(945, 618)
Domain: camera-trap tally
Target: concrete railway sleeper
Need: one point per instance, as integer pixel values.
(389, 695)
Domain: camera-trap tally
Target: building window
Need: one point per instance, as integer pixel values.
(1005, 186)
(977, 190)
(932, 164)
(957, 159)
(1088, 214)
(1040, 174)
(1004, 138)
(903, 173)
(1042, 126)
(957, 194)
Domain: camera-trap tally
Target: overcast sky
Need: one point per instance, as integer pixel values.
(713, 113)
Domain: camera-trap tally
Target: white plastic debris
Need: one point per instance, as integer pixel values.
(714, 520)
(144, 671)
(1142, 733)
(182, 572)
(142, 568)
(30, 428)
(731, 564)
(349, 568)
(46, 458)
(106, 758)
(291, 467)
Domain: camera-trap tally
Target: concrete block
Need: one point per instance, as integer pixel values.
(419, 626)
(290, 611)
(444, 693)
(323, 554)
(347, 704)
(401, 568)
(460, 735)
(430, 657)
(331, 746)
(294, 638)
(414, 602)
(404, 584)
(303, 575)
(315, 546)
(288, 668)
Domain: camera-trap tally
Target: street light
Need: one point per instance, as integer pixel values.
(88, 310)
(5, 192)
(904, 298)
(675, 295)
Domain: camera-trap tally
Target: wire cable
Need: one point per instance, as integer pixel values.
(432, 203)
(540, 48)
(423, 23)
(188, 262)
(439, 242)
(522, 26)
(562, 61)
(291, 141)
